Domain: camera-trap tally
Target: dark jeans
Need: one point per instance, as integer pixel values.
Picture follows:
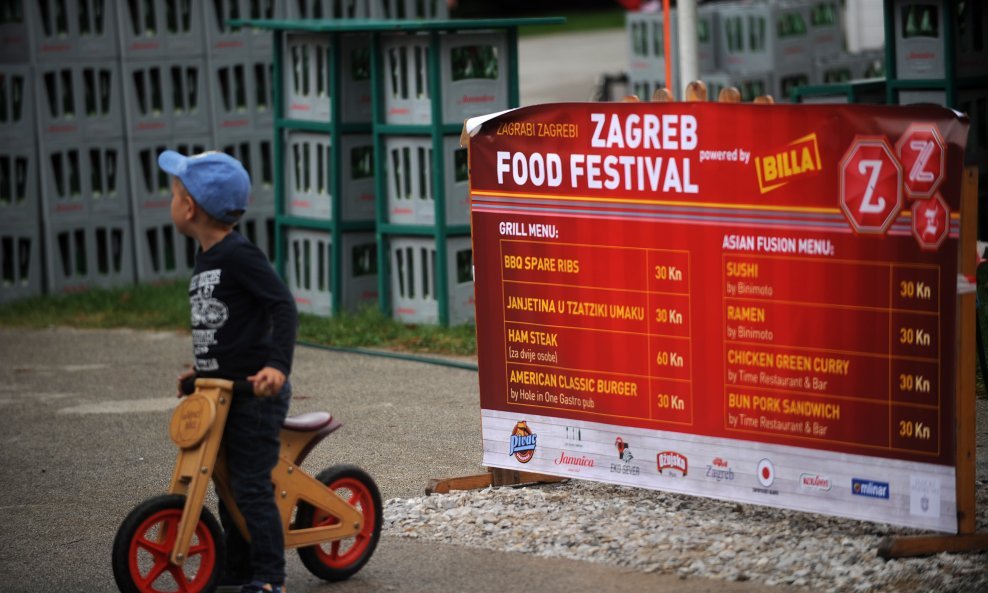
(252, 445)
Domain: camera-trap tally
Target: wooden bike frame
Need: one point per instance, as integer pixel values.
(197, 428)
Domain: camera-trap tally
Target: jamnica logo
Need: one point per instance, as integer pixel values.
(671, 463)
(581, 461)
(522, 442)
(814, 482)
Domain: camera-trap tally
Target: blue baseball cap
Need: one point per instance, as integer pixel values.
(215, 180)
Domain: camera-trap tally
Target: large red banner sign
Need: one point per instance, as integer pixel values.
(671, 294)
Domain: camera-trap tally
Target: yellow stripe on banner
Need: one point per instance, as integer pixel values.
(657, 202)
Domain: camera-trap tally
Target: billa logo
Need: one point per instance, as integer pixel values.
(522, 443)
(671, 463)
(799, 158)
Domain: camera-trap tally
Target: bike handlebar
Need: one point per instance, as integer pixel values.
(241, 387)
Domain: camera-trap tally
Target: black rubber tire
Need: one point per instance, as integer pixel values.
(160, 511)
(336, 564)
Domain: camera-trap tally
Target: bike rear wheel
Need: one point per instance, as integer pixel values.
(339, 560)
(143, 546)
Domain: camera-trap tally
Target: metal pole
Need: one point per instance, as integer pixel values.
(667, 45)
(688, 69)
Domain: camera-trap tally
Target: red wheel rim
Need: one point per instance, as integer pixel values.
(150, 550)
(340, 554)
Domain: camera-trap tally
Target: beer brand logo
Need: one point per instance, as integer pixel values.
(814, 482)
(719, 470)
(800, 157)
(522, 442)
(671, 463)
(869, 488)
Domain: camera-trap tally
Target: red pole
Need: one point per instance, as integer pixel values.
(667, 39)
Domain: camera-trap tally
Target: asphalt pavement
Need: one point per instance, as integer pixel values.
(84, 438)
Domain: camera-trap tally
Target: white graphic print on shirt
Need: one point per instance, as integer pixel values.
(208, 312)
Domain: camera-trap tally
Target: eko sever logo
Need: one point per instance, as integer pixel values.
(875, 180)
(522, 442)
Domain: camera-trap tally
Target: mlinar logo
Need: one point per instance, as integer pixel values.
(869, 488)
(522, 443)
(671, 463)
(814, 482)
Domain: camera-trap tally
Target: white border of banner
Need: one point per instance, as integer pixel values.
(906, 493)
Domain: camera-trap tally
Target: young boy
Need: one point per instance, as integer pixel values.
(243, 328)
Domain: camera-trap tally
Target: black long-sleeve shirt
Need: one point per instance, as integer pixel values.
(243, 316)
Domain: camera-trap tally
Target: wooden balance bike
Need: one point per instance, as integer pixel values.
(173, 544)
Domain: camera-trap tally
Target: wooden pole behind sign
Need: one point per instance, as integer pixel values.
(966, 540)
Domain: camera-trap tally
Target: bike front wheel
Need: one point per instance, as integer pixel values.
(143, 546)
(340, 559)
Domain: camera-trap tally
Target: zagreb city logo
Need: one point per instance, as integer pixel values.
(522, 442)
(869, 488)
(671, 463)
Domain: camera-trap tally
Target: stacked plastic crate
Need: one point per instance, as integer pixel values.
(81, 162)
(239, 71)
(326, 210)
(21, 271)
(166, 107)
(766, 47)
(431, 83)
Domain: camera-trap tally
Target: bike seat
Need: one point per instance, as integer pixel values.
(308, 422)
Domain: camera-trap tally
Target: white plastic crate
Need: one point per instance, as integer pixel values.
(16, 102)
(410, 9)
(20, 191)
(411, 193)
(84, 255)
(826, 33)
(256, 152)
(646, 34)
(80, 99)
(240, 89)
(258, 226)
(308, 261)
(162, 252)
(168, 97)
(414, 282)
(21, 273)
(308, 176)
(914, 96)
(473, 76)
(56, 30)
(306, 71)
(151, 29)
(222, 39)
(83, 180)
(920, 39)
(355, 103)
(150, 187)
(788, 76)
(760, 37)
(474, 69)
(754, 84)
(329, 9)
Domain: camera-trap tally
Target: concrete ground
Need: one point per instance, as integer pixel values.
(84, 438)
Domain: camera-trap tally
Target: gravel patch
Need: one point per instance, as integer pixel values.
(671, 533)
